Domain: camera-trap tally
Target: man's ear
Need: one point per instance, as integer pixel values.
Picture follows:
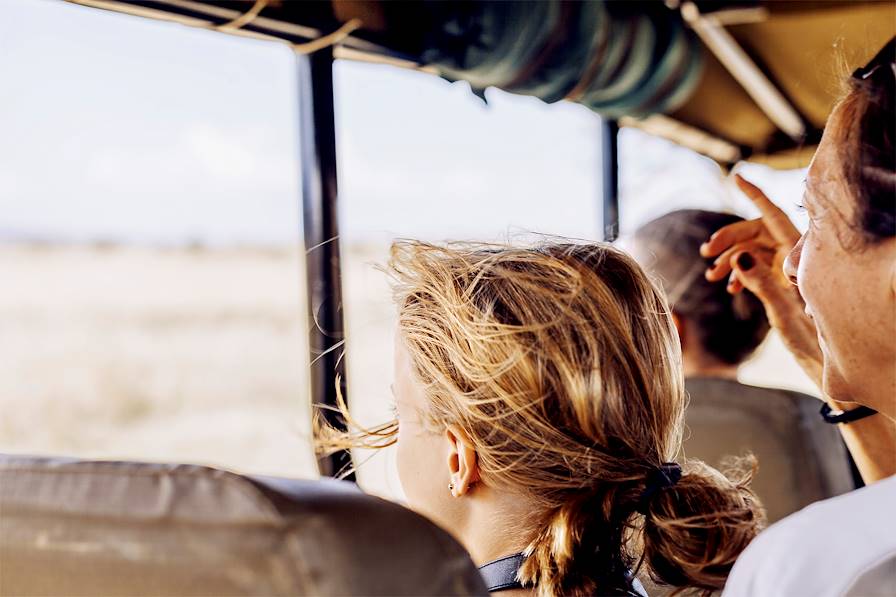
(463, 464)
(679, 325)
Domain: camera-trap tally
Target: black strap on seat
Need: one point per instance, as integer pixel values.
(501, 574)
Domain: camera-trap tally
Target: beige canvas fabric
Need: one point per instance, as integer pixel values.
(117, 528)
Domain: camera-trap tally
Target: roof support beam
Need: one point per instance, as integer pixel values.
(317, 138)
(745, 71)
(685, 135)
(609, 157)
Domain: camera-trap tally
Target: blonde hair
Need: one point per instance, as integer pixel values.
(562, 364)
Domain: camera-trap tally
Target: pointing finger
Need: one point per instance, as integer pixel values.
(777, 222)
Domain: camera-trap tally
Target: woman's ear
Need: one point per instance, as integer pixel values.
(463, 464)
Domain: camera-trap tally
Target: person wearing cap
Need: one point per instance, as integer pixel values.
(801, 459)
(831, 292)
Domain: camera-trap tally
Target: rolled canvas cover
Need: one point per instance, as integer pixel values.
(78, 528)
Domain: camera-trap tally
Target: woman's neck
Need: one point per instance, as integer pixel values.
(491, 540)
(497, 524)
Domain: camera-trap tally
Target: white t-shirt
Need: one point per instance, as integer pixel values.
(842, 546)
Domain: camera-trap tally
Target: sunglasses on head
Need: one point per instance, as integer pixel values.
(886, 57)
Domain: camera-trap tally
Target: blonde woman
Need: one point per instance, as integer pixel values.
(540, 398)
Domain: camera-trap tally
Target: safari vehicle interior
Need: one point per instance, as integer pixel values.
(734, 81)
(81, 528)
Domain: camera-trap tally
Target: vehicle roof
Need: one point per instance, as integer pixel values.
(804, 49)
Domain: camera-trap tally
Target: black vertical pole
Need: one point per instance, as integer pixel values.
(610, 174)
(317, 134)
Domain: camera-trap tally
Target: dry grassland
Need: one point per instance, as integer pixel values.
(181, 355)
(193, 356)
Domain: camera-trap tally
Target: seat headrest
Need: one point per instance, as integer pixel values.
(114, 528)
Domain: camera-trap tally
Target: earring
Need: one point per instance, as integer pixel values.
(451, 487)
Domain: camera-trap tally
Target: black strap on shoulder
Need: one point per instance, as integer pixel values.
(501, 574)
(845, 416)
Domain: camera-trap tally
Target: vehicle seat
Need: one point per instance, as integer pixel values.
(801, 458)
(78, 528)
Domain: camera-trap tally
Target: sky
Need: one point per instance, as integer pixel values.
(117, 128)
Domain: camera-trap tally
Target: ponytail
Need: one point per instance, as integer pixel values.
(694, 531)
(581, 550)
(686, 534)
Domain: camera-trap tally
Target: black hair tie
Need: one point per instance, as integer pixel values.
(665, 475)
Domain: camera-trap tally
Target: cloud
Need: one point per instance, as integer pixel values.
(204, 182)
(226, 159)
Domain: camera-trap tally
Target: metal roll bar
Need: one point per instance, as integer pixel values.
(326, 340)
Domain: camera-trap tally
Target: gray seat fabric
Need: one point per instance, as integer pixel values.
(801, 458)
(877, 581)
(76, 528)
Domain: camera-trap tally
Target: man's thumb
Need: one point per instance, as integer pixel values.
(755, 275)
